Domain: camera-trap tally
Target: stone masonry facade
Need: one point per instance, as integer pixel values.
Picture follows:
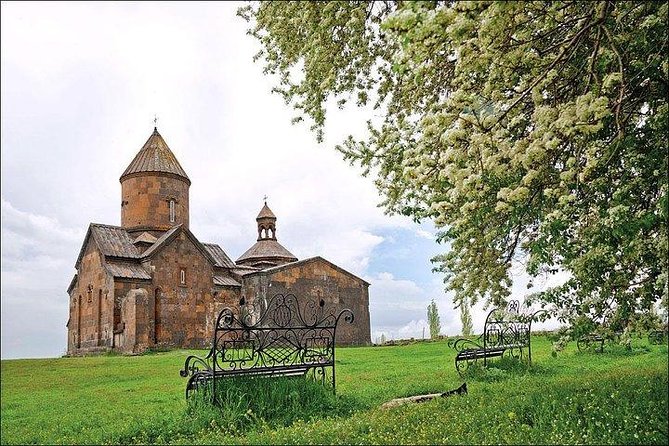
(153, 192)
(151, 284)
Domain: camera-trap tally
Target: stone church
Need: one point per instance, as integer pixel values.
(150, 283)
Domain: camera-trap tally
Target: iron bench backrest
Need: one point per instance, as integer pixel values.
(281, 337)
(508, 328)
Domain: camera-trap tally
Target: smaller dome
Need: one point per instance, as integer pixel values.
(268, 251)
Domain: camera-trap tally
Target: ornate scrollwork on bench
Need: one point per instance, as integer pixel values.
(657, 337)
(506, 332)
(278, 338)
(591, 342)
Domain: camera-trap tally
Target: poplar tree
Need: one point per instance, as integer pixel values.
(466, 318)
(433, 320)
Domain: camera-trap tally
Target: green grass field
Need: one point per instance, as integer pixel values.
(617, 397)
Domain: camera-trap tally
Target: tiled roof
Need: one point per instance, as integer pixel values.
(127, 270)
(122, 256)
(267, 248)
(155, 156)
(114, 241)
(225, 281)
(298, 263)
(244, 269)
(145, 237)
(167, 238)
(266, 212)
(72, 283)
(221, 258)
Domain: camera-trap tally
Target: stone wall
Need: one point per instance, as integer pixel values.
(184, 313)
(91, 305)
(145, 201)
(318, 279)
(135, 312)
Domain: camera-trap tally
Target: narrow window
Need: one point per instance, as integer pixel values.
(183, 276)
(172, 211)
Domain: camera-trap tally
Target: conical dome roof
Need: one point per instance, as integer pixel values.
(155, 156)
(266, 212)
(269, 250)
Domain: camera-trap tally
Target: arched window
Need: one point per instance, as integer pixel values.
(99, 319)
(173, 211)
(156, 316)
(79, 322)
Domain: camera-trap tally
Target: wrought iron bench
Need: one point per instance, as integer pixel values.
(506, 332)
(657, 337)
(279, 338)
(592, 341)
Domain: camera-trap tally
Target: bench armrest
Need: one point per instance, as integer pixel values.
(194, 364)
(463, 344)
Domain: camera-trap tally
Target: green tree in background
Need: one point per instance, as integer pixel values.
(531, 133)
(466, 318)
(433, 320)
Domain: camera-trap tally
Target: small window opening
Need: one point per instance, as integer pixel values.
(173, 212)
(182, 276)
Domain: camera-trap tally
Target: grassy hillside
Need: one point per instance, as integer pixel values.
(615, 397)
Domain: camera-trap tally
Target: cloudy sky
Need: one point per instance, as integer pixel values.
(81, 83)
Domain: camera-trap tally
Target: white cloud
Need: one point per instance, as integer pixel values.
(398, 307)
(75, 111)
(38, 255)
(425, 234)
(80, 85)
(417, 329)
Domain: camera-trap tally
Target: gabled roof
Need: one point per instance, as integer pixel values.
(267, 248)
(221, 258)
(72, 283)
(116, 244)
(126, 270)
(306, 261)
(145, 237)
(113, 241)
(122, 257)
(161, 242)
(242, 270)
(155, 156)
(171, 235)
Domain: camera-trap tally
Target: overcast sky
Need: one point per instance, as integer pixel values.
(81, 83)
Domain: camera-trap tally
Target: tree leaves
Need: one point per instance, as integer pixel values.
(532, 132)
